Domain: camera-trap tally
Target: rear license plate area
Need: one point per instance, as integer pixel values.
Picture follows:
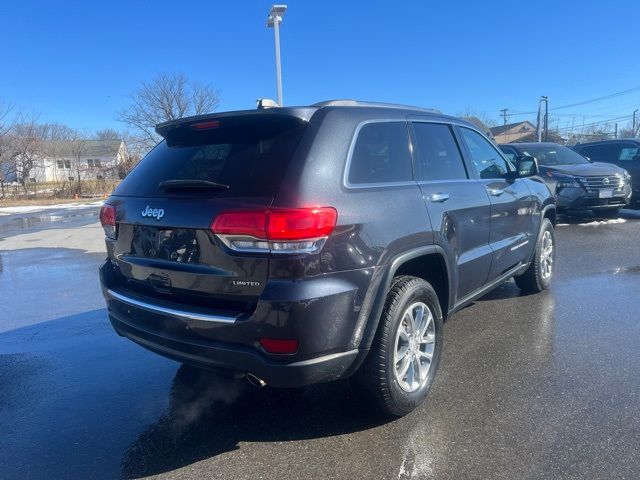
(177, 244)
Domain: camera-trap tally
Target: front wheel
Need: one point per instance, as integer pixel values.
(405, 353)
(538, 276)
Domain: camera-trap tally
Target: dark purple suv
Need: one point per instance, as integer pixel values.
(306, 244)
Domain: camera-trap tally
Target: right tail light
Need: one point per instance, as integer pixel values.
(286, 230)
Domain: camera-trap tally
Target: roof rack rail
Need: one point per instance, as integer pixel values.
(359, 103)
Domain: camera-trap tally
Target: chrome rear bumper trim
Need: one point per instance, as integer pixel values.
(204, 317)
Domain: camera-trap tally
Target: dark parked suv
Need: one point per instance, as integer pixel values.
(577, 182)
(625, 153)
(306, 244)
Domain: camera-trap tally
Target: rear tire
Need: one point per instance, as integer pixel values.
(538, 276)
(402, 362)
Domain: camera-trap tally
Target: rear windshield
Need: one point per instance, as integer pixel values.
(249, 154)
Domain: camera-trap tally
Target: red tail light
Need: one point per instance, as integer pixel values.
(282, 230)
(300, 224)
(108, 220)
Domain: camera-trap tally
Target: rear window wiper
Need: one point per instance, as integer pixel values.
(191, 184)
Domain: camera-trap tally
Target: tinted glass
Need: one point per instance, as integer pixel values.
(509, 152)
(381, 154)
(553, 155)
(249, 154)
(606, 152)
(488, 162)
(436, 153)
(628, 151)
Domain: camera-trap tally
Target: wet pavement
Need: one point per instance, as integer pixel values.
(530, 386)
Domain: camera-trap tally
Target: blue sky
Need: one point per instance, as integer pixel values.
(76, 62)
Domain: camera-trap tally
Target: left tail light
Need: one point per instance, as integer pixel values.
(290, 230)
(108, 220)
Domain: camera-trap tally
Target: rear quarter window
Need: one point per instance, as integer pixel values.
(381, 154)
(250, 155)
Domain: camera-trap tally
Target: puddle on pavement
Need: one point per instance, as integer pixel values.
(621, 270)
(42, 220)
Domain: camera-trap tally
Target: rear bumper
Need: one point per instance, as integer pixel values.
(277, 374)
(321, 313)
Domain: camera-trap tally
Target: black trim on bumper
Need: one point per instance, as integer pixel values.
(243, 360)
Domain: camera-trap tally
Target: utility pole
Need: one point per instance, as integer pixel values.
(616, 132)
(634, 123)
(504, 115)
(546, 117)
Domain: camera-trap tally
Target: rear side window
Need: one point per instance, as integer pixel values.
(249, 154)
(436, 154)
(381, 154)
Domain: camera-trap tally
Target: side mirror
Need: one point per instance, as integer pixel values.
(527, 166)
(636, 158)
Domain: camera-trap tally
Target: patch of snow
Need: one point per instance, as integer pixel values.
(41, 208)
(603, 222)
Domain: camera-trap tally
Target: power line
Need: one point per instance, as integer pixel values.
(584, 102)
(598, 99)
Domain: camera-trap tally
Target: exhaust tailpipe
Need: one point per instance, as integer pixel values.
(255, 381)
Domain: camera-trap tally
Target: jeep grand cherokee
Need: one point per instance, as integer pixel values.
(306, 244)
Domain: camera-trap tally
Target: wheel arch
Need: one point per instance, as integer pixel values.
(429, 263)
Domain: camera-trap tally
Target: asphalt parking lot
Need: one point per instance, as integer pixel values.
(537, 386)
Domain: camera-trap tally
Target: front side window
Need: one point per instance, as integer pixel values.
(488, 162)
(509, 152)
(381, 154)
(436, 153)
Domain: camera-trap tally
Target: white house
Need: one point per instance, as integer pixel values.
(68, 160)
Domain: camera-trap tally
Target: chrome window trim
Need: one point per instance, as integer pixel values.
(352, 145)
(204, 317)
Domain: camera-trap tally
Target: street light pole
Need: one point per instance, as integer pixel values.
(273, 21)
(546, 118)
(634, 123)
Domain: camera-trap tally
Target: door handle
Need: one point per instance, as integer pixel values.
(496, 192)
(438, 197)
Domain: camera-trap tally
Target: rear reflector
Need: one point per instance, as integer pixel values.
(108, 220)
(272, 345)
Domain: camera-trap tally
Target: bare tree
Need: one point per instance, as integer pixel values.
(27, 147)
(167, 96)
(470, 113)
(108, 134)
(7, 122)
